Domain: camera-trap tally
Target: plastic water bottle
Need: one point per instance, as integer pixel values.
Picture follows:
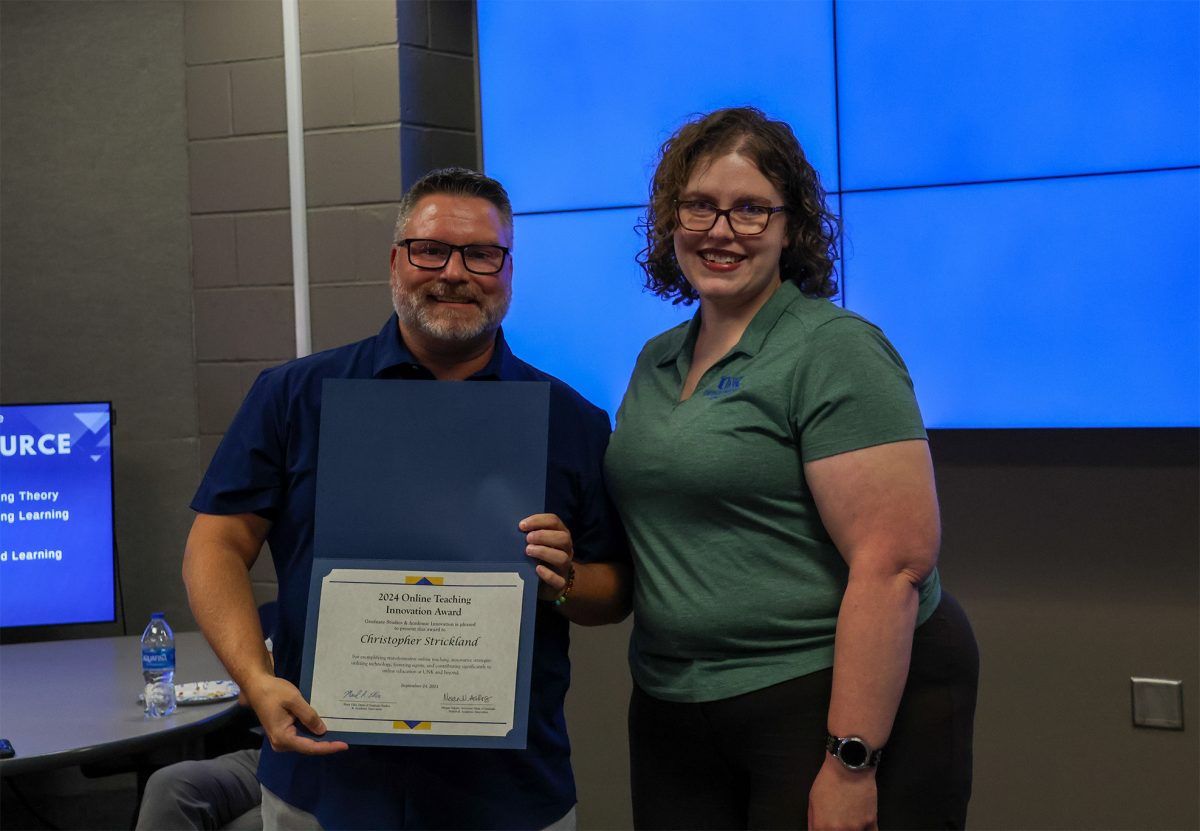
(158, 667)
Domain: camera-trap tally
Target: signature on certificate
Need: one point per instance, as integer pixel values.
(361, 695)
(478, 698)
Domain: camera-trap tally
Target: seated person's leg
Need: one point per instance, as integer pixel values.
(205, 794)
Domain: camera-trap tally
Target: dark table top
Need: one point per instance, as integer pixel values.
(65, 703)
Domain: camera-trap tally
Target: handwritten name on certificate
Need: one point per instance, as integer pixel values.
(434, 652)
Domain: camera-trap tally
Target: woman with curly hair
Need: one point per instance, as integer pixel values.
(795, 660)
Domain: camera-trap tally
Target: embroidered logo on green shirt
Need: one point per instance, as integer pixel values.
(727, 385)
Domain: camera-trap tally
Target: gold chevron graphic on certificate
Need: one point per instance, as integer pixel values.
(421, 580)
(411, 725)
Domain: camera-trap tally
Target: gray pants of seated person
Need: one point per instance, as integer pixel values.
(208, 794)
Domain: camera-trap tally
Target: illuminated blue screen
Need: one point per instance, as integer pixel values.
(1065, 301)
(980, 316)
(578, 96)
(935, 92)
(578, 306)
(56, 514)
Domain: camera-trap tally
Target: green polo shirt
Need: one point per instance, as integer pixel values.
(738, 584)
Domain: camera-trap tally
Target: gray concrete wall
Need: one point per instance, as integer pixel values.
(95, 293)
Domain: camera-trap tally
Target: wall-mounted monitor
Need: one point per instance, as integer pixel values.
(57, 550)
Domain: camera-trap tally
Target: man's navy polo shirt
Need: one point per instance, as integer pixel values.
(266, 465)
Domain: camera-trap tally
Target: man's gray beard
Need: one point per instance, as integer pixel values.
(415, 313)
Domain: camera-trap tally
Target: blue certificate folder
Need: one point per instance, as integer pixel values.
(434, 476)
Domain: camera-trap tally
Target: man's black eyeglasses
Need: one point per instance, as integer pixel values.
(747, 220)
(434, 254)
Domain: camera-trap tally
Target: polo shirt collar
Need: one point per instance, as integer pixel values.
(751, 342)
(392, 354)
(686, 344)
(764, 319)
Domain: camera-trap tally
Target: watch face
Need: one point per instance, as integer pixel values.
(853, 752)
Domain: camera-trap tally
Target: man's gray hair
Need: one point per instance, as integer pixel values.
(454, 181)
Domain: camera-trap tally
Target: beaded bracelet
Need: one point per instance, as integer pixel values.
(562, 598)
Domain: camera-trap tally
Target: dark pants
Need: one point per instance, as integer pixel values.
(750, 761)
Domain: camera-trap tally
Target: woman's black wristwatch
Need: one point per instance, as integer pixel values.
(853, 752)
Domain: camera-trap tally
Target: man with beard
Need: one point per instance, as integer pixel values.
(451, 278)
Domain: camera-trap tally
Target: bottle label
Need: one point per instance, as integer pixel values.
(158, 659)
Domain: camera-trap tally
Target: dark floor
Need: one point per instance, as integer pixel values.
(66, 799)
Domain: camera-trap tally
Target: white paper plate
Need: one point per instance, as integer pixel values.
(202, 692)
(205, 692)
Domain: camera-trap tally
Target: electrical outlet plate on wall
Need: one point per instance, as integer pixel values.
(1157, 702)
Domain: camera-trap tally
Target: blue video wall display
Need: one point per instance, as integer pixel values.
(944, 92)
(56, 514)
(980, 315)
(577, 97)
(578, 302)
(1017, 182)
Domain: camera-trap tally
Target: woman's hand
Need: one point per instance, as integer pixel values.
(843, 799)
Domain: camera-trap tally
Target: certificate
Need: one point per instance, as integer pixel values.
(422, 602)
(418, 652)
